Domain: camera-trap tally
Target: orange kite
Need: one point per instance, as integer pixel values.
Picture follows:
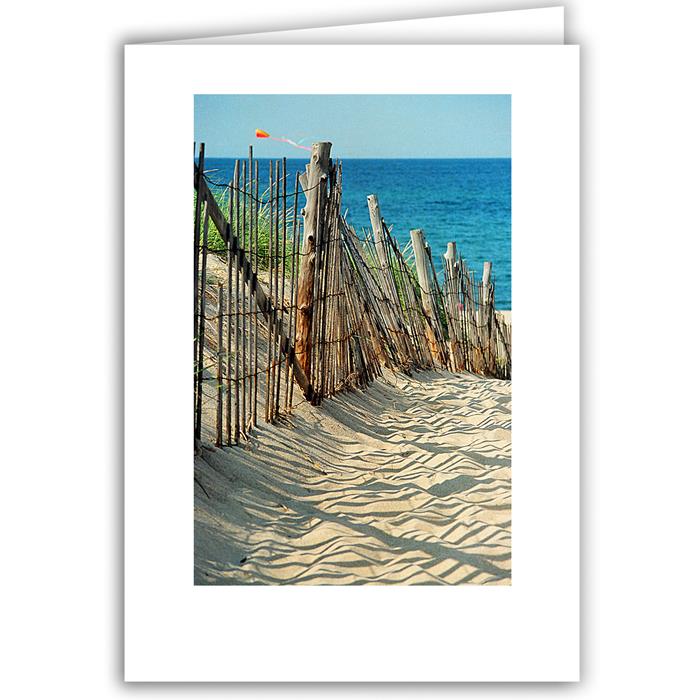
(260, 134)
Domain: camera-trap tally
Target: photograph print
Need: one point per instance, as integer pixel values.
(352, 339)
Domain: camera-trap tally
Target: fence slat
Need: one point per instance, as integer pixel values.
(220, 367)
(201, 329)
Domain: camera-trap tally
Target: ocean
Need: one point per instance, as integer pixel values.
(463, 200)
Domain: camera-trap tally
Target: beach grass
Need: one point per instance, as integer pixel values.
(261, 242)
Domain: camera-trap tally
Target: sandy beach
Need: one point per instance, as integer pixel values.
(407, 482)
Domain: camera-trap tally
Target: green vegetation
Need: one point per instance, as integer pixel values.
(261, 216)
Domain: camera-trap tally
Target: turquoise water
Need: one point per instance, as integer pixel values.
(463, 200)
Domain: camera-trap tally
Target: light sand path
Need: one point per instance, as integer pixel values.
(407, 482)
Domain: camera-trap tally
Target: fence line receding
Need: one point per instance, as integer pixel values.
(288, 297)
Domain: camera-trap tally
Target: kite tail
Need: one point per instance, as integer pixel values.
(290, 142)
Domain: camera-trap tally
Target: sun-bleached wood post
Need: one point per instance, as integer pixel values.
(422, 269)
(451, 305)
(363, 264)
(375, 218)
(197, 235)
(387, 280)
(314, 184)
(436, 297)
(485, 283)
(424, 280)
(485, 312)
(198, 181)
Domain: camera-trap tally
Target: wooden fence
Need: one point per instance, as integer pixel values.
(288, 294)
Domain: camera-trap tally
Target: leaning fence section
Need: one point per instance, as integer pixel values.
(292, 303)
(245, 255)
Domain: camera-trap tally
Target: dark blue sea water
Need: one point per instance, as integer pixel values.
(463, 200)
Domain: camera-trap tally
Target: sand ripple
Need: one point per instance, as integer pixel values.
(406, 483)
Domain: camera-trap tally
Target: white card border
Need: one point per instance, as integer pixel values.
(176, 631)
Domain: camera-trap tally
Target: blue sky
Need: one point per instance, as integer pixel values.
(359, 126)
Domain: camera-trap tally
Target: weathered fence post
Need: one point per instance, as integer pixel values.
(485, 312)
(425, 282)
(313, 182)
(387, 280)
(438, 305)
(375, 217)
(197, 234)
(486, 276)
(451, 305)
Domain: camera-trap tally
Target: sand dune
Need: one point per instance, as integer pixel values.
(405, 483)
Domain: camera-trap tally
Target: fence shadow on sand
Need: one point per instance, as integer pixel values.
(383, 506)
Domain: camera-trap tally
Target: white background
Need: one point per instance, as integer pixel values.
(527, 631)
(61, 511)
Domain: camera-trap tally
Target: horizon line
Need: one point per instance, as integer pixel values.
(245, 157)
